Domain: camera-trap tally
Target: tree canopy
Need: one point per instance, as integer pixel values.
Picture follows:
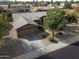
(3, 25)
(67, 6)
(4, 22)
(55, 17)
(1, 9)
(55, 20)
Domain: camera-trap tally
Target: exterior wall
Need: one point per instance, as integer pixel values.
(62, 4)
(74, 5)
(27, 30)
(13, 34)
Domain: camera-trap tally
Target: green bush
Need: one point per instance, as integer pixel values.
(58, 3)
(51, 39)
(67, 6)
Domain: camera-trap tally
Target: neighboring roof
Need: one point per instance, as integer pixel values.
(43, 8)
(22, 21)
(17, 4)
(20, 4)
(5, 7)
(30, 16)
(46, 8)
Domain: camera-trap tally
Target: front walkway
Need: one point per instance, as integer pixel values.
(47, 49)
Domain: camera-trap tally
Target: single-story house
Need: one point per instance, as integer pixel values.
(27, 23)
(74, 5)
(5, 7)
(17, 8)
(62, 4)
(45, 8)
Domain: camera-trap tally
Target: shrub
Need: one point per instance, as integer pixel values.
(67, 6)
(52, 40)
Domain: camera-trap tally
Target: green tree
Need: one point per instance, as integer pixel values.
(58, 3)
(9, 5)
(67, 5)
(55, 20)
(76, 13)
(51, 1)
(9, 16)
(66, 1)
(71, 18)
(1, 9)
(3, 25)
(72, 1)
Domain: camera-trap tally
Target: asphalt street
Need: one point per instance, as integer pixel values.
(69, 52)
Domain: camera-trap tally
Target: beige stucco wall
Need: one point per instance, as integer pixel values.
(13, 34)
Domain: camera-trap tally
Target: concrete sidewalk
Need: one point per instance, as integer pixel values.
(42, 51)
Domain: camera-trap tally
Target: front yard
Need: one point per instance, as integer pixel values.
(69, 32)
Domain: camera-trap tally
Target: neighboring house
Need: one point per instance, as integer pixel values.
(46, 8)
(59, 7)
(17, 8)
(62, 4)
(74, 5)
(27, 23)
(25, 26)
(5, 7)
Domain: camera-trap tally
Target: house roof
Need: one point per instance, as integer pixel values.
(46, 8)
(5, 7)
(31, 16)
(22, 21)
(20, 4)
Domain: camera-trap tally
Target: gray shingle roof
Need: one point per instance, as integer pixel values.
(30, 16)
(5, 7)
(22, 21)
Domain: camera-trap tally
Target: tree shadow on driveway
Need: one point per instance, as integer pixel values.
(69, 32)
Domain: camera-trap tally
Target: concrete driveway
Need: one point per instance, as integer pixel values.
(69, 52)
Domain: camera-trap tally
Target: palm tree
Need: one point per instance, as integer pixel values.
(42, 0)
(76, 12)
(77, 1)
(4, 25)
(66, 1)
(57, 23)
(37, 0)
(55, 20)
(51, 1)
(33, 1)
(9, 5)
(72, 1)
(1, 9)
(15, 0)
